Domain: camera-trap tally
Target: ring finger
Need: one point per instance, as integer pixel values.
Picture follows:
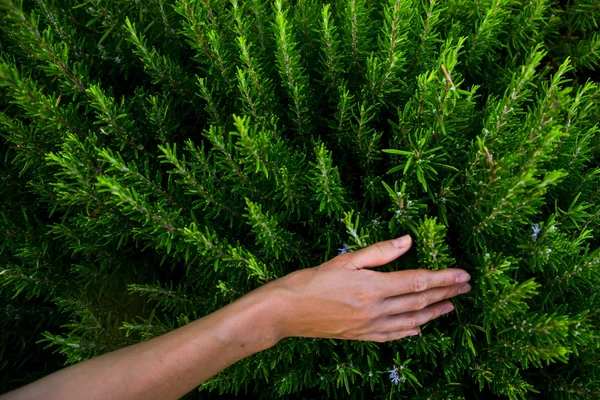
(411, 320)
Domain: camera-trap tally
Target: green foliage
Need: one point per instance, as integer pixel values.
(162, 159)
(433, 251)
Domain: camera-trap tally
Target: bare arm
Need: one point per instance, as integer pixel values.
(338, 299)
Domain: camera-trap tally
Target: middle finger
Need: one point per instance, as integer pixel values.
(420, 300)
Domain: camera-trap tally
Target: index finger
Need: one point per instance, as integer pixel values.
(379, 253)
(418, 280)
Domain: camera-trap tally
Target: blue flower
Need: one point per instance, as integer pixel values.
(395, 377)
(344, 250)
(536, 231)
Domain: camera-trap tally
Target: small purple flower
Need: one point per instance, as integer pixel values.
(395, 377)
(536, 231)
(344, 250)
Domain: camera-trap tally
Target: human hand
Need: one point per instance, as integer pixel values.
(342, 299)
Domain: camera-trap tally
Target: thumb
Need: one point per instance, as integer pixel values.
(380, 253)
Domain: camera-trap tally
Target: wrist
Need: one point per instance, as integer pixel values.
(251, 324)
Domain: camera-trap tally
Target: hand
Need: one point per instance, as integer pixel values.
(341, 299)
(338, 299)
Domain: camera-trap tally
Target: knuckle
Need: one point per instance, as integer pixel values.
(380, 338)
(422, 301)
(411, 322)
(420, 283)
(371, 313)
(376, 329)
(371, 330)
(351, 333)
(383, 337)
(380, 248)
(343, 258)
(365, 297)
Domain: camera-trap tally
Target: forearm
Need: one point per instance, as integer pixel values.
(338, 299)
(171, 365)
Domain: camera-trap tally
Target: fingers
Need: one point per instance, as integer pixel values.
(388, 336)
(380, 253)
(419, 280)
(412, 320)
(421, 300)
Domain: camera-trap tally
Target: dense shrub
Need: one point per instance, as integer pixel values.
(161, 160)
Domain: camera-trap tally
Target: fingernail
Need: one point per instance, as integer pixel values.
(448, 309)
(464, 289)
(414, 333)
(464, 277)
(401, 242)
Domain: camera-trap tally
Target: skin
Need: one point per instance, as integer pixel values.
(341, 299)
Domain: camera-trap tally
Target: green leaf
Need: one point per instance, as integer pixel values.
(401, 152)
(407, 165)
(394, 169)
(421, 178)
(108, 31)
